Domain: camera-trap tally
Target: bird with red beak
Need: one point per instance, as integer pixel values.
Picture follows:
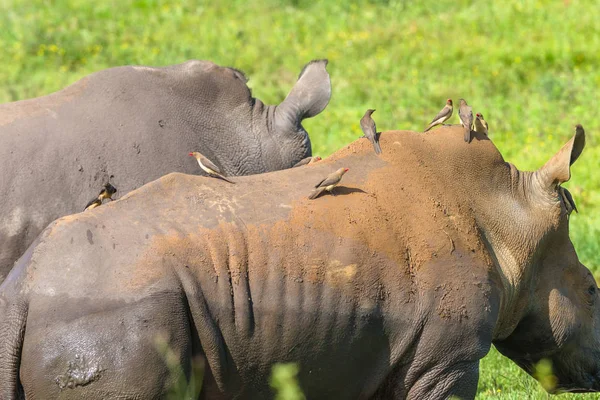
(328, 183)
(208, 166)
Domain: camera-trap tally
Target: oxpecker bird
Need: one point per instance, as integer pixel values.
(328, 183)
(106, 193)
(307, 161)
(208, 167)
(370, 130)
(442, 116)
(465, 113)
(480, 125)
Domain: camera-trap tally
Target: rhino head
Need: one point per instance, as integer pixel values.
(550, 308)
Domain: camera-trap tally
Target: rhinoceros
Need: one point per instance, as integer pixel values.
(138, 124)
(393, 288)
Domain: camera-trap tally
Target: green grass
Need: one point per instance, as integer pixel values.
(531, 67)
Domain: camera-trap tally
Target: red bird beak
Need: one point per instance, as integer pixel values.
(191, 155)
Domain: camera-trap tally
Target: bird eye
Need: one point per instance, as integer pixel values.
(592, 290)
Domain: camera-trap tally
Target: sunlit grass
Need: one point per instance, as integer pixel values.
(528, 65)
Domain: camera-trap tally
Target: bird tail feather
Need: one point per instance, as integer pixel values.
(225, 179)
(377, 147)
(315, 193)
(467, 134)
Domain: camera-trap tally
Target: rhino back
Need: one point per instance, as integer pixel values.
(135, 123)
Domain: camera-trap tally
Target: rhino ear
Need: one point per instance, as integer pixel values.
(558, 169)
(311, 93)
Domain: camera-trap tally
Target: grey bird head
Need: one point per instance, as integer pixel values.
(463, 102)
(369, 111)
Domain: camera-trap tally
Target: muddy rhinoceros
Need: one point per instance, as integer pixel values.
(394, 288)
(138, 124)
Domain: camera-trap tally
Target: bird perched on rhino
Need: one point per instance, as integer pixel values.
(442, 116)
(106, 193)
(328, 183)
(480, 125)
(208, 167)
(370, 130)
(307, 161)
(465, 113)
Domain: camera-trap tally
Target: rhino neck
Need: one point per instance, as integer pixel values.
(280, 135)
(512, 232)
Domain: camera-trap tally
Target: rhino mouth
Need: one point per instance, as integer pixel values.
(568, 380)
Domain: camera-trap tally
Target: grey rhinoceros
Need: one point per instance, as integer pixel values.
(394, 288)
(138, 124)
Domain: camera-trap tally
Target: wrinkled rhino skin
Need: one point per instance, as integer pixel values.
(395, 288)
(138, 124)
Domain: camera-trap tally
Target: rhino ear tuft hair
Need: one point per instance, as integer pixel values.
(239, 74)
(558, 169)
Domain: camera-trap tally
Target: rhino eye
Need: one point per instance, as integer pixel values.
(592, 290)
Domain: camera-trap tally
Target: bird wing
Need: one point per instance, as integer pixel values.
(319, 184)
(466, 114)
(369, 128)
(445, 111)
(302, 162)
(330, 180)
(568, 199)
(208, 164)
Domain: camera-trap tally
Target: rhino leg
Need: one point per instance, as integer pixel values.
(13, 315)
(438, 382)
(458, 380)
(81, 348)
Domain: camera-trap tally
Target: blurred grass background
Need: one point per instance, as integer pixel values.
(530, 66)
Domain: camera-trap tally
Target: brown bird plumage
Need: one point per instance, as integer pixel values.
(465, 113)
(328, 183)
(368, 127)
(442, 116)
(208, 166)
(307, 161)
(481, 125)
(106, 193)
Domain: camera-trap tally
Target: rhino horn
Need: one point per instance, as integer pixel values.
(558, 169)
